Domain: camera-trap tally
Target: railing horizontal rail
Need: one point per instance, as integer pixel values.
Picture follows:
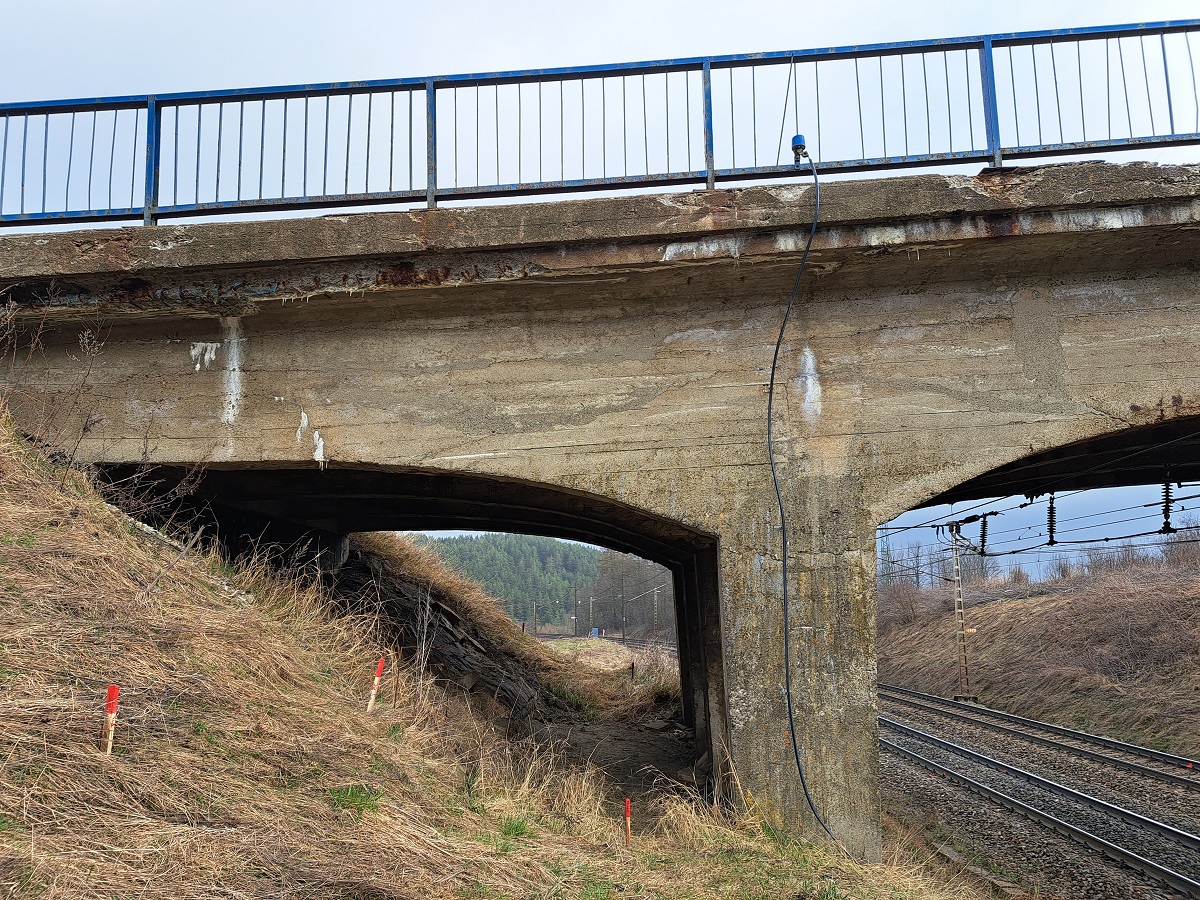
(665, 123)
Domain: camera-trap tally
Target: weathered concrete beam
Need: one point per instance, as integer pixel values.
(869, 230)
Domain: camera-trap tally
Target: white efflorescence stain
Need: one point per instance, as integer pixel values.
(809, 384)
(204, 352)
(319, 449)
(232, 404)
(303, 426)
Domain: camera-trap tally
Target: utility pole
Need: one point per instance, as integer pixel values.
(575, 618)
(964, 678)
(622, 609)
(656, 614)
(591, 609)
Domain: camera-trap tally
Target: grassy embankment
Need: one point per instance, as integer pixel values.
(245, 764)
(1116, 651)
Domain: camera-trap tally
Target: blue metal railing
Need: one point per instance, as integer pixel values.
(700, 121)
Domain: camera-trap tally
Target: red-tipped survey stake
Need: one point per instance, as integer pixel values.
(375, 686)
(628, 828)
(110, 717)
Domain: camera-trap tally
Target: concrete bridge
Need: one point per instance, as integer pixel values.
(596, 369)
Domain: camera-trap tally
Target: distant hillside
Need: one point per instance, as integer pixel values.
(523, 572)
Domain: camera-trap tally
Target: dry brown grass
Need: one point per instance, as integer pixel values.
(245, 764)
(1117, 652)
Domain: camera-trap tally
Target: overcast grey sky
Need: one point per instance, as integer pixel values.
(58, 49)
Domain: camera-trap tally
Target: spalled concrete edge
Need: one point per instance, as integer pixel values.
(673, 218)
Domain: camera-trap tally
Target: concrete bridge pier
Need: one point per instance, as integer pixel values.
(831, 644)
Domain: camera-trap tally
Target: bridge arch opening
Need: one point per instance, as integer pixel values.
(1054, 523)
(285, 504)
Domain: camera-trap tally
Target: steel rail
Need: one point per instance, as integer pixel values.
(1119, 812)
(1127, 857)
(1132, 749)
(1094, 755)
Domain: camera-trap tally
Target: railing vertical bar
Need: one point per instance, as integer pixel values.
(1162, 40)
(262, 144)
(410, 140)
(687, 114)
(970, 105)
(133, 156)
(753, 118)
(1125, 87)
(241, 144)
(882, 108)
(1146, 81)
(1082, 106)
(46, 154)
(562, 131)
(1192, 70)
(604, 128)
(1057, 98)
(304, 161)
(862, 138)
(520, 133)
(367, 151)
(112, 158)
(541, 133)
(732, 127)
(904, 99)
(283, 151)
(477, 105)
(1037, 92)
(787, 91)
(349, 131)
(220, 136)
(928, 114)
(991, 120)
(710, 174)
(199, 129)
(667, 115)
(817, 100)
(645, 131)
(431, 143)
(624, 129)
(795, 77)
(582, 129)
(91, 153)
(70, 163)
(153, 138)
(175, 156)
(325, 152)
(392, 143)
(1108, 82)
(496, 100)
(1012, 78)
(949, 109)
(24, 150)
(4, 165)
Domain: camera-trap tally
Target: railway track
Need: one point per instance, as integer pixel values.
(1091, 811)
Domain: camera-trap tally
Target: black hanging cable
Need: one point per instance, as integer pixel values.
(787, 657)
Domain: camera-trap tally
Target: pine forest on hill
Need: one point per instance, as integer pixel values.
(539, 579)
